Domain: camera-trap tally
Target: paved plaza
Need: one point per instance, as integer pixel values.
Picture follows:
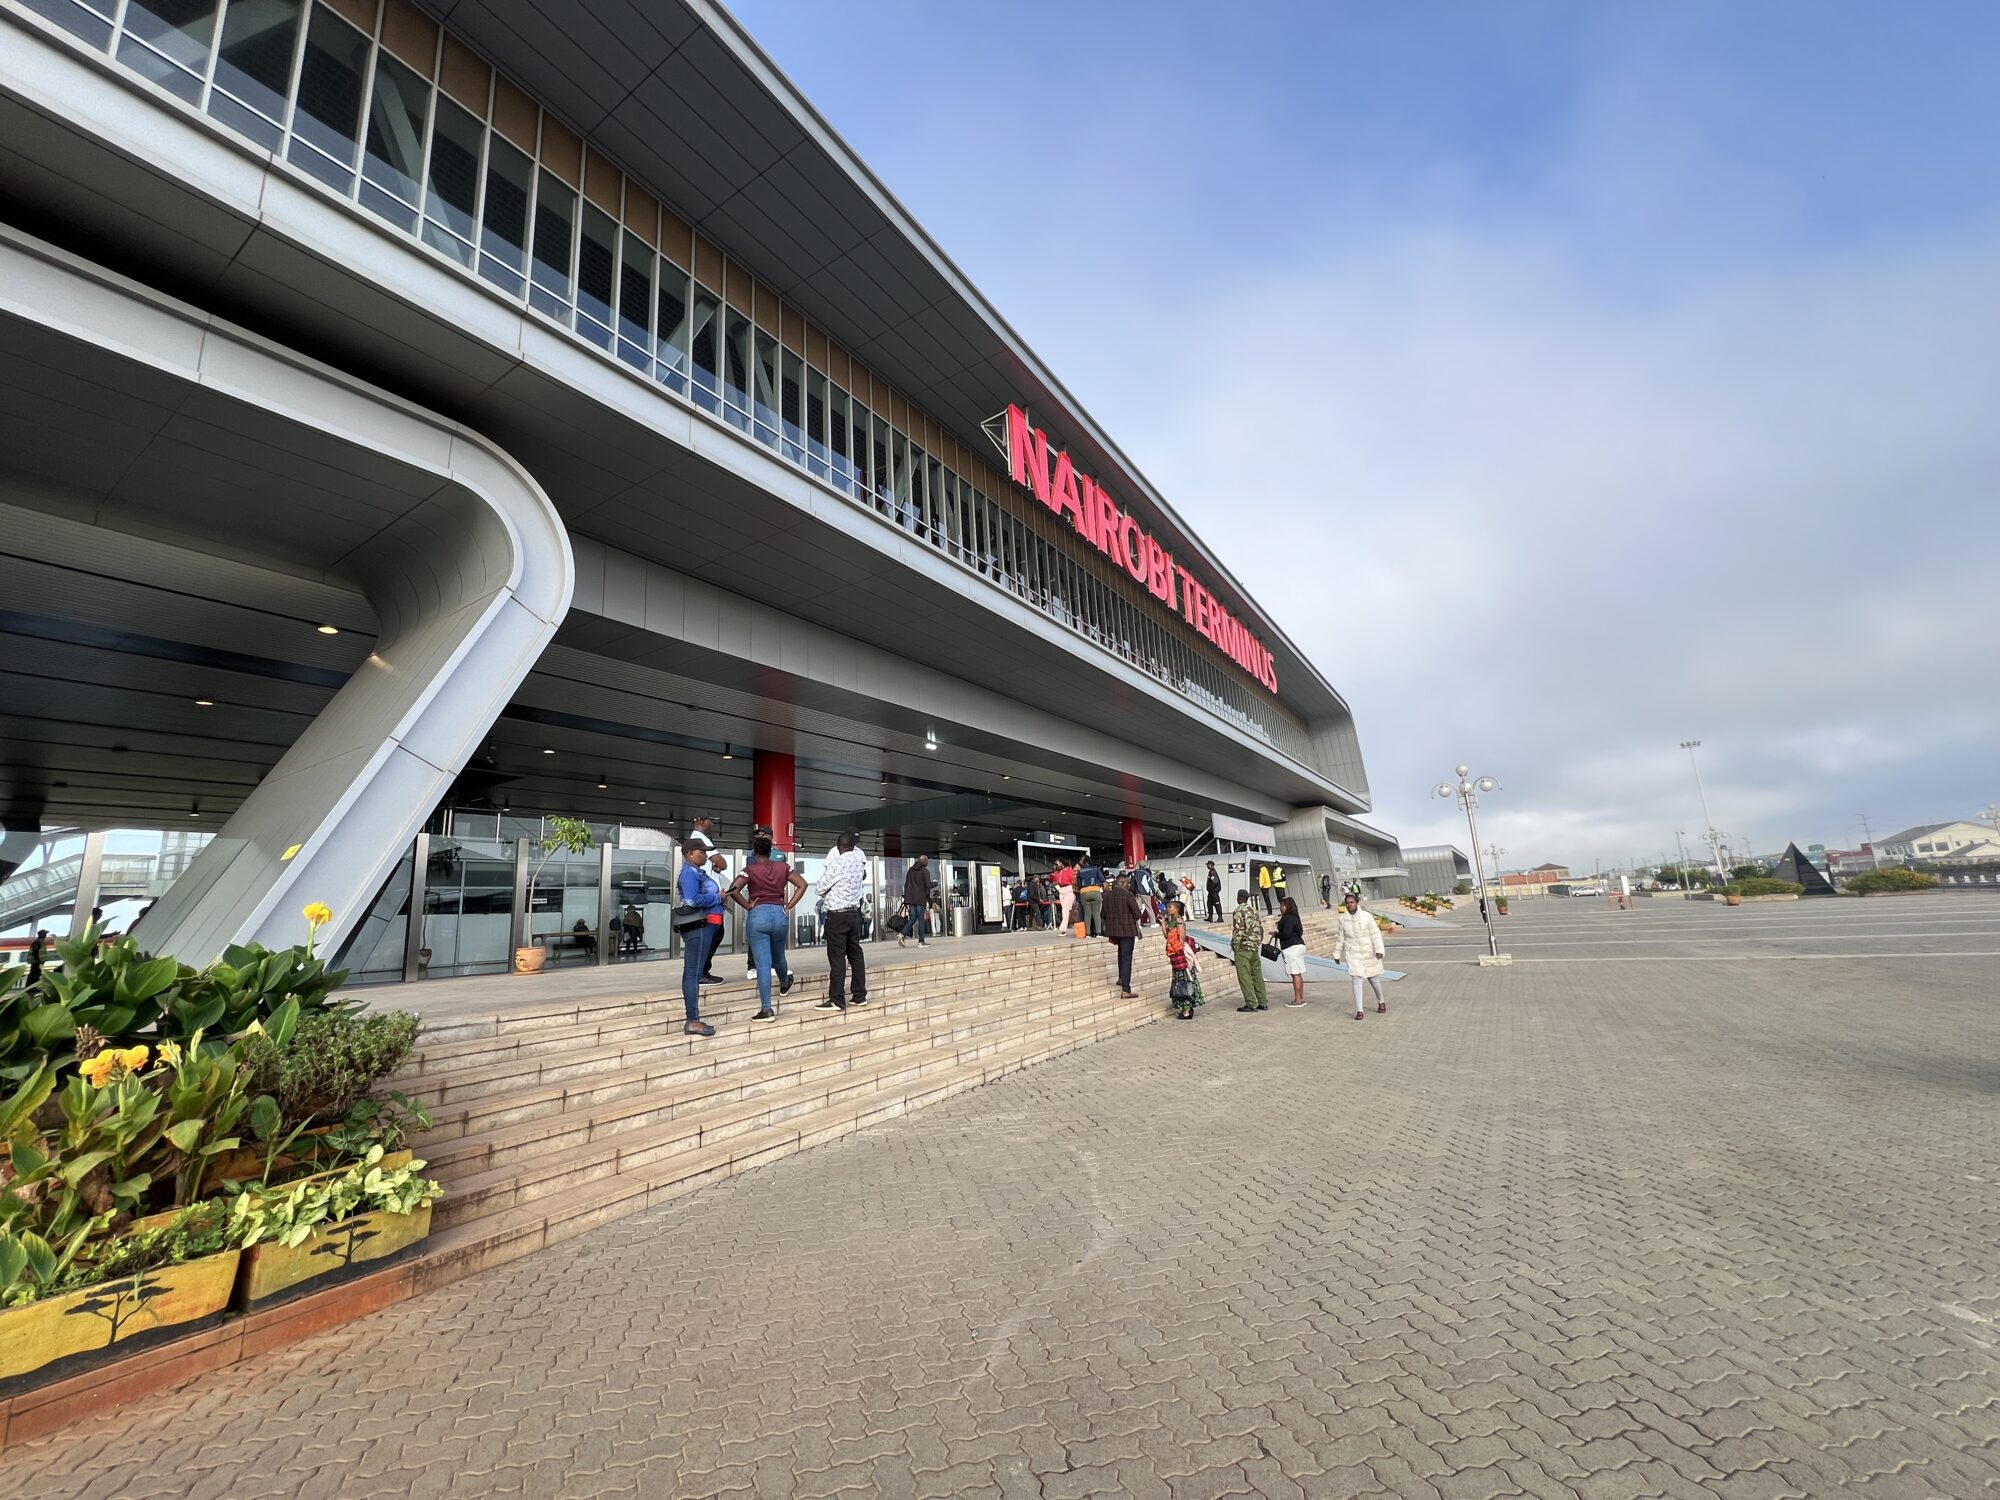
(1689, 1201)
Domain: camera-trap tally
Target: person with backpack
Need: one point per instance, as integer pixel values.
(917, 888)
(1090, 892)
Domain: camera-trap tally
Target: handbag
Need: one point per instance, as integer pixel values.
(686, 918)
(1271, 951)
(1181, 991)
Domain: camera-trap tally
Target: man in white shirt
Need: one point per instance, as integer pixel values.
(842, 888)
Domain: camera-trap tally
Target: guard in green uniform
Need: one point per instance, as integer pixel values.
(1246, 936)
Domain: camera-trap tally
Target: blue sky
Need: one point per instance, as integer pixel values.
(1629, 369)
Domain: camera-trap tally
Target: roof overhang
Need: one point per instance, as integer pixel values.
(758, 169)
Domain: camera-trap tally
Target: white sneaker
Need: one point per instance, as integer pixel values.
(751, 973)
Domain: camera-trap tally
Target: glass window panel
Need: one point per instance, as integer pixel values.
(596, 258)
(503, 232)
(635, 301)
(672, 325)
(736, 365)
(815, 424)
(253, 66)
(878, 447)
(932, 499)
(89, 19)
(450, 204)
(792, 405)
(899, 476)
(331, 77)
(555, 245)
(764, 388)
(168, 41)
(706, 350)
(839, 430)
(397, 116)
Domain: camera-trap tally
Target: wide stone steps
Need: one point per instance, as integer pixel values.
(551, 1119)
(616, 1142)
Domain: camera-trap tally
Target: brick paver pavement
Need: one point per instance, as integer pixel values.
(1592, 1229)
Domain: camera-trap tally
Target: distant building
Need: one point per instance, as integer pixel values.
(1535, 882)
(1931, 841)
(1433, 868)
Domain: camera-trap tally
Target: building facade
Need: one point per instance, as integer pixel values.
(1429, 869)
(522, 408)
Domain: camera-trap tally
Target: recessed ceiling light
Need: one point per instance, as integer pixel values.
(642, 801)
(727, 752)
(204, 703)
(603, 786)
(547, 751)
(329, 630)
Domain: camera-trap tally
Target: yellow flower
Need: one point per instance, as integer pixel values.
(135, 1058)
(170, 1053)
(318, 914)
(97, 1070)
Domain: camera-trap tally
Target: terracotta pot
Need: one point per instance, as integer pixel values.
(271, 1269)
(1733, 900)
(77, 1323)
(530, 960)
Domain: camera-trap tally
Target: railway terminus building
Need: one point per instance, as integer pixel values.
(501, 408)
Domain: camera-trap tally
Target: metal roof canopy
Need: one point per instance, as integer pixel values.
(683, 97)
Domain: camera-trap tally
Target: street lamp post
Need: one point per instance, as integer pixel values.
(1991, 814)
(1681, 850)
(1493, 851)
(1467, 790)
(1708, 821)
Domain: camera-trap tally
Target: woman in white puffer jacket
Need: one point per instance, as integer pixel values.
(1358, 945)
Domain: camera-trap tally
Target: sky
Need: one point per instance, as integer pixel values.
(1567, 380)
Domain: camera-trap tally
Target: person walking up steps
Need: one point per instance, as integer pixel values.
(1278, 887)
(1090, 891)
(1246, 937)
(1264, 888)
(1214, 910)
(1358, 945)
(1121, 925)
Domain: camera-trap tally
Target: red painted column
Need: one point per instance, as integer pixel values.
(774, 796)
(1134, 834)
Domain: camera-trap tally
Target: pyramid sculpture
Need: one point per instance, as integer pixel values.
(1795, 867)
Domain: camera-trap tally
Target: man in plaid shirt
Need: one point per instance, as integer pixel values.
(1246, 936)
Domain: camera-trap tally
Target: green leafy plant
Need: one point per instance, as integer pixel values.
(287, 1214)
(1892, 880)
(207, 1098)
(199, 1230)
(116, 992)
(330, 1061)
(388, 1123)
(90, 1169)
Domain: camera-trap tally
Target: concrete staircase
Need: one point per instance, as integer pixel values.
(552, 1119)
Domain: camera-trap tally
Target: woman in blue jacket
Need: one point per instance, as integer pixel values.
(697, 888)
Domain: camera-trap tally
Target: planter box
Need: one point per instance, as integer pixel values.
(336, 1249)
(1780, 897)
(49, 1339)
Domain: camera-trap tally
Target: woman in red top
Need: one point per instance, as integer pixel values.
(1065, 879)
(768, 889)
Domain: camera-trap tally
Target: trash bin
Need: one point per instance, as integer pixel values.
(961, 921)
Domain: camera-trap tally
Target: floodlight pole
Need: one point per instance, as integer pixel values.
(1708, 821)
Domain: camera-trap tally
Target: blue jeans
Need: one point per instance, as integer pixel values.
(695, 949)
(766, 928)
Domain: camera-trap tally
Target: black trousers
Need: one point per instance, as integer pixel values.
(1124, 947)
(1269, 904)
(1214, 913)
(843, 947)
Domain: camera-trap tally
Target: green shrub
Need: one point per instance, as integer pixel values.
(1892, 880)
(1758, 886)
(330, 1061)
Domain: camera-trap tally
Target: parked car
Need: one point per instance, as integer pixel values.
(1586, 890)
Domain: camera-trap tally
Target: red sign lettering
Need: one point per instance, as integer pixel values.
(1099, 521)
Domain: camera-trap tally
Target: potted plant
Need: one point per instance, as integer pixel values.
(300, 1232)
(560, 836)
(1500, 905)
(63, 1303)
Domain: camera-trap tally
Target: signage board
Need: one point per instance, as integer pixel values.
(1117, 534)
(1243, 831)
(1056, 838)
(992, 895)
